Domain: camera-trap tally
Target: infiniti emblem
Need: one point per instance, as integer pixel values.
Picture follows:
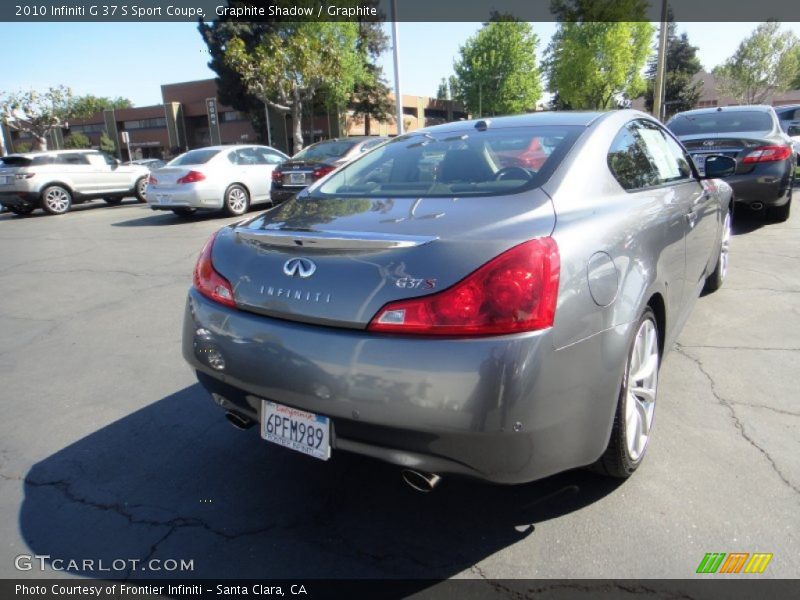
(302, 267)
(708, 143)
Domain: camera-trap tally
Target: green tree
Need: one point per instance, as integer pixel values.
(290, 63)
(598, 64)
(88, 105)
(77, 140)
(595, 58)
(443, 91)
(22, 147)
(232, 90)
(370, 97)
(767, 61)
(496, 69)
(36, 113)
(107, 144)
(681, 92)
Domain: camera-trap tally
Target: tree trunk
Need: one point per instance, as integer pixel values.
(366, 124)
(297, 121)
(41, 142)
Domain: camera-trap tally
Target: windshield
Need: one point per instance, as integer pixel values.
(325, 150)
(720, 122)
(463, 163)
(194, 157)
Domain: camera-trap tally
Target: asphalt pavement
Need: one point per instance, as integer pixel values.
(110, 451)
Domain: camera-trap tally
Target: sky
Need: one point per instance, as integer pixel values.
(132, 60)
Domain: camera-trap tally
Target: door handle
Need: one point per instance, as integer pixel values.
(691, 219)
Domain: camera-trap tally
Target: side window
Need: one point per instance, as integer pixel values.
(628, 160)
(72, 158)
(270, 158)
(233, 158)
(249, 157)
(109, 160)
(664, 152)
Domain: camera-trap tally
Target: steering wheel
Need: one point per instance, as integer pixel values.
(513, 173)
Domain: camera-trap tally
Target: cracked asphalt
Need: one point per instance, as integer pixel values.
(109, 450)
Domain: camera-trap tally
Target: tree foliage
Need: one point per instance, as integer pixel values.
(36, 113)
(496, 71)
(681, 91)
(77, 141)
(767, 61)
(88, 105)
(291, 62)
(107, 144)
(598, 64)
(367, 93)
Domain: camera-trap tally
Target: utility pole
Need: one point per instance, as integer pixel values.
(269, 133)
(398, 98)
(658, 88)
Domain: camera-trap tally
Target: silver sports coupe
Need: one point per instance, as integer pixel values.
(452, 305)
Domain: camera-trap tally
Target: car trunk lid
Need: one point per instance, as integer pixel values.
(336, 261)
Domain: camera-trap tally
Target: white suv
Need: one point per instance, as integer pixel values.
(55, 180)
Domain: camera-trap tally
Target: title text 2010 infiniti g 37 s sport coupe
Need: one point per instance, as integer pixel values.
(428, 307)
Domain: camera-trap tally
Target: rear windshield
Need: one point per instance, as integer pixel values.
(325, 150)
(194, 157)
(721, 122)
(463, 163)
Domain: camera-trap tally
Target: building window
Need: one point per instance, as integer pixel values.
(232, 115)
(145, 123)
(90, 128)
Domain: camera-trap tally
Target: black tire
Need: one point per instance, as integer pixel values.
(139, 188)
(23, 210)
(113, 201)
(56, 199)
(617, 461)
(780, 214)
(717, 277)
(236, 201)
(184, 213)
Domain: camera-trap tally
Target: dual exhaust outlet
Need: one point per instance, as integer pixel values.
(420, 481)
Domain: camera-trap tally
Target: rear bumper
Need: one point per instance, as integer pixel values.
(193, 197)
(506, 409)
(769, 184)
(282, 194)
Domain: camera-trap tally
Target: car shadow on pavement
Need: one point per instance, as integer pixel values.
(161, 218)
(174, 480)
(74, 209)
(746, 221)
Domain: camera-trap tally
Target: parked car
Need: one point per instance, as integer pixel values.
(316, 161)
(230, 178)
(789, 117)
(502, 323)
(151, 163)
(55, 180)
(765, 159)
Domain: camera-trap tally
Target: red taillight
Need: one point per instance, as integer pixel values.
(191, 177)
(322, 171)
(276, 175)
(767, 154)
(210, 283)
(513, 292)
(152, 180)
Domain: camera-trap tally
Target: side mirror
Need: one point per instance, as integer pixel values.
(718, 166)
(794, 130)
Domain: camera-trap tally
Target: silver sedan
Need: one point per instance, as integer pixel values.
(447, 306)
(230, 178)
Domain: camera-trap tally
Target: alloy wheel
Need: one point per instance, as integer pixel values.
(57, 200)
(640, 396)
(237, 200)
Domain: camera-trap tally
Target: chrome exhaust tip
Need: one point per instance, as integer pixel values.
(420, 481)
(757, 205)
(241, 423)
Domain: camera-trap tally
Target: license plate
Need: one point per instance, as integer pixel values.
(297, 177)
(296, 429)
(162, 199)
